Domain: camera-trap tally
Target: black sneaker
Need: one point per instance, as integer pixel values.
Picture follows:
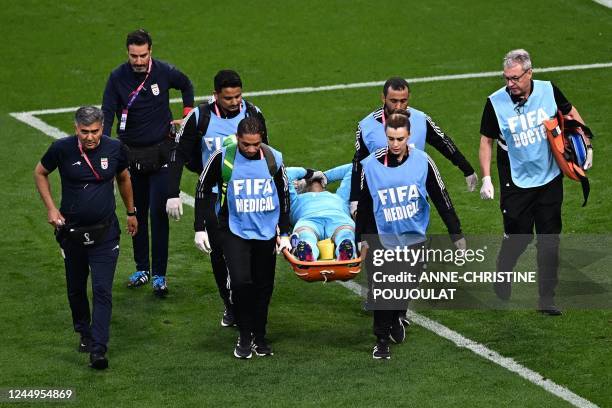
(381, 350)
(243, 348)
(98, 361)
(398, 332)
(503, 290)
(261, 349)
(551, 311)
(548, 308)
(228, 319)
(84, 344)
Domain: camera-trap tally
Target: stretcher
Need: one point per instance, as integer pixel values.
(324, 271)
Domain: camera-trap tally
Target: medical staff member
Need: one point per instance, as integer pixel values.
(203, 132)
(254, 201)
(137, 93)
(530, 182)
(387, 170)
(86, 225)
(370, 135)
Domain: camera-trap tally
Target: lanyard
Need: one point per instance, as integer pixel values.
(384, 120)
(133, 97)
(88, 162)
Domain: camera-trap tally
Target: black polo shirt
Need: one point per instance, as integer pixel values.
(86, 200)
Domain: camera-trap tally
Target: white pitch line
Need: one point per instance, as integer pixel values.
(311, 89)
(439, 329)
(39, 124)
(493, 356)
(477, 348)
(605, 3)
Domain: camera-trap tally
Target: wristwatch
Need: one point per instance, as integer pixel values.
(131, 214)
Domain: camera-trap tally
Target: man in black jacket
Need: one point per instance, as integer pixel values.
(370, 135)
(254, 202)
(397, 166)
(203, 132)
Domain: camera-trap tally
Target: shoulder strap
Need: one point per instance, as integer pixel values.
(203, 118)
(250, 109)
(270, 159)
(228, 162)
(226, 168)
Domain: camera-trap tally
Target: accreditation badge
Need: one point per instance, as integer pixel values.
(123, 121)
(155, 89)
(104, 163)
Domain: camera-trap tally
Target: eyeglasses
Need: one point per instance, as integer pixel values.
(514, 79)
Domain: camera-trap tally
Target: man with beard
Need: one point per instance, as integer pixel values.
(370, 135)
(137, 93)
(204, 131)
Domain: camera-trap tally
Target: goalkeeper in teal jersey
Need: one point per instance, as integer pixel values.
(317, 214)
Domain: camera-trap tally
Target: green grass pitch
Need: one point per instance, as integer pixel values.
(173, 352)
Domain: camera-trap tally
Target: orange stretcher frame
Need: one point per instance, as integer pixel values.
(324, 271)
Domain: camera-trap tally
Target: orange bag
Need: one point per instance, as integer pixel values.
(565, 138)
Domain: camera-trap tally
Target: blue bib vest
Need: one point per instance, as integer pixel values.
(373, 131)
(218, 130)
(252, 199)
(531, 161)
(399, 197)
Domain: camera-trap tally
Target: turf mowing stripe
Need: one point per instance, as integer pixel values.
(29, 118)
(508, 363)
(311, 89)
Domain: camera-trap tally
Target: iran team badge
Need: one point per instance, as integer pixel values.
(155, 89)
(104, 163)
